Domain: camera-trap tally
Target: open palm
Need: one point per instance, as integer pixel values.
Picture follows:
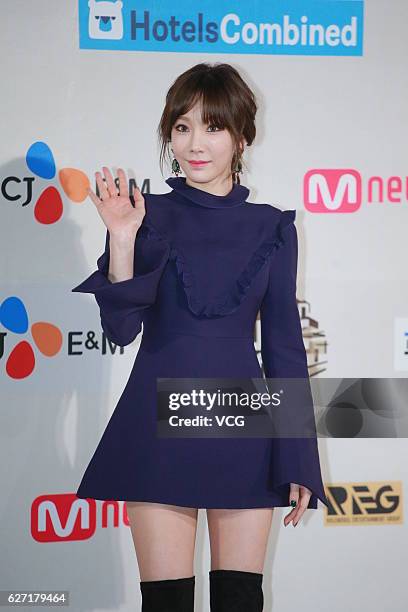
(115, 208)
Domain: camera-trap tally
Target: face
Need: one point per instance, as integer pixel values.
(191, 141)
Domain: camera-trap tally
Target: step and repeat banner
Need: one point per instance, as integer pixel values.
(84, 86)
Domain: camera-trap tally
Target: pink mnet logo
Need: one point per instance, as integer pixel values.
(332, 191)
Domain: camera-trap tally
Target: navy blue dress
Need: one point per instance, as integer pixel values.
(204, 266)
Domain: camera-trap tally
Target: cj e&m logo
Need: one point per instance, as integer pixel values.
(48, 208)
(46, 337)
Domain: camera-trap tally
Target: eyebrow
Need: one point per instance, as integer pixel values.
(183, 117)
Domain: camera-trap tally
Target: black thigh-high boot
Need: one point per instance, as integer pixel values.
(174, 595)
(235, 591)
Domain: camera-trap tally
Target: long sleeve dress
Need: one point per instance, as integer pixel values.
(204, 266)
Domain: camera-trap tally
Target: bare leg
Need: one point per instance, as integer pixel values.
(164, 538)
(239, 538)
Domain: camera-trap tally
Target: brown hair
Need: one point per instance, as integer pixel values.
(227, 102)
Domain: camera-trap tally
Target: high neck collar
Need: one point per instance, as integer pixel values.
(236, 197)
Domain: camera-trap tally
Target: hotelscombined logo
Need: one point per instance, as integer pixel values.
(282, 27)
(49, 207)
(46, 337)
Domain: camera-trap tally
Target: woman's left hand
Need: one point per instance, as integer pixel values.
(301, 495)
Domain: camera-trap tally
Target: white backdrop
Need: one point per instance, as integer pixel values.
(95, 107)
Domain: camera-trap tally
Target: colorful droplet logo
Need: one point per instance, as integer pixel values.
(46, 337)
(49, 207)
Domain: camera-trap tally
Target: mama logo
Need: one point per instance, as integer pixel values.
(46, 337)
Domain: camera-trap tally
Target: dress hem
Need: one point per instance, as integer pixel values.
(185, 504)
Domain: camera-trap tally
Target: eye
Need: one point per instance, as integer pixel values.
(183, 125)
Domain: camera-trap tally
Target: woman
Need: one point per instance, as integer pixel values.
(195, 265)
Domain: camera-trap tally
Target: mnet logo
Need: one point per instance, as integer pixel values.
(64, 517)
(326, 191)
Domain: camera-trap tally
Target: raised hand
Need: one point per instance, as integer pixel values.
(115, 208)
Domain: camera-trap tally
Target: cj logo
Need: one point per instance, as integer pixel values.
(46, 336)
(105, 20)
(337, 191)
(49, 207)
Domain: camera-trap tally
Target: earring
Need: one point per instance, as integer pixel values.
(175, 167)
(237, 170)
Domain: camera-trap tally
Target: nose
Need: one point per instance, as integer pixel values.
(195, 141)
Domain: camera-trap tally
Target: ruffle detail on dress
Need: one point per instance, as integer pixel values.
(229, 302)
